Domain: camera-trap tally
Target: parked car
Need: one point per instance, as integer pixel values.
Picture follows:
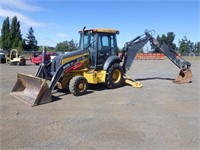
(2, 57)
(36, 58)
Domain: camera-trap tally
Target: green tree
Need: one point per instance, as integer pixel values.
(72, 45)
(0, 43)
(182, 46)
(197, 47)
(62, 46)
(170, 40)
(119, 50)
(66, 46)
(5, 41)
(40, 48)
(20, 42)
(31, 42)
(13, 31)
(21, 45)
(186, 46)
(167, 39)
(15, 35)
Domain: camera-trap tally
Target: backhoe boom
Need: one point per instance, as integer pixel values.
(131, 48)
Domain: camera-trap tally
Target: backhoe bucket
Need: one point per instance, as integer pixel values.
(31, 90)
(185, 76)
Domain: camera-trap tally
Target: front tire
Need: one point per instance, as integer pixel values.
(114, 77)
(78, 85)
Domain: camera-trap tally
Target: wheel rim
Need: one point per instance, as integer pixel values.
(81, 86)
(116, 76)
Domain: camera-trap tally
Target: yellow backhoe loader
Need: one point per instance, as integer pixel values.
(95, 62)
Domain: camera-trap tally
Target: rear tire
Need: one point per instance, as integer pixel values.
(78, 85)
(114, 76)
(18, 64)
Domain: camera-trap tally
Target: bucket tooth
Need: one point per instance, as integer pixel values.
(31, 90)
(185, 76)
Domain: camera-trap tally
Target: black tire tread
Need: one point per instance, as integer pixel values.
(72, 85)
(109, 84)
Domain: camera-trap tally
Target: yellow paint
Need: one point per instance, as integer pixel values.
(135, 84)
(16, 60)
(65, 60)
(94, 77)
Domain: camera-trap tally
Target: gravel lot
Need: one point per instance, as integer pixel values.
(161, 115)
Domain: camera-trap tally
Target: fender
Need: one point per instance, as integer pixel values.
(110, 60)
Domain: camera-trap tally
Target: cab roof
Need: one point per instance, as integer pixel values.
(104, 30)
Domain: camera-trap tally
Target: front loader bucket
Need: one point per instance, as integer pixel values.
(185, 76)
(31, 90)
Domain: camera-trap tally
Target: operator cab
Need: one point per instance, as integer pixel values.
(101, 43)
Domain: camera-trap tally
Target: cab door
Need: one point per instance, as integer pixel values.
(106, 47)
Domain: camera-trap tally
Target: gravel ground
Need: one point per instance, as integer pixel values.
(160, 115)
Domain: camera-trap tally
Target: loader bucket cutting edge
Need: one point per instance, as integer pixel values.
(31, 90)
(185, 76)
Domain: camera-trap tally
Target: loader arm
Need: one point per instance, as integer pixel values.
(55, 76)
(65, 67)
(35, 90)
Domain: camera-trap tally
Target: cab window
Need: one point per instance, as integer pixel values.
(106, 47)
